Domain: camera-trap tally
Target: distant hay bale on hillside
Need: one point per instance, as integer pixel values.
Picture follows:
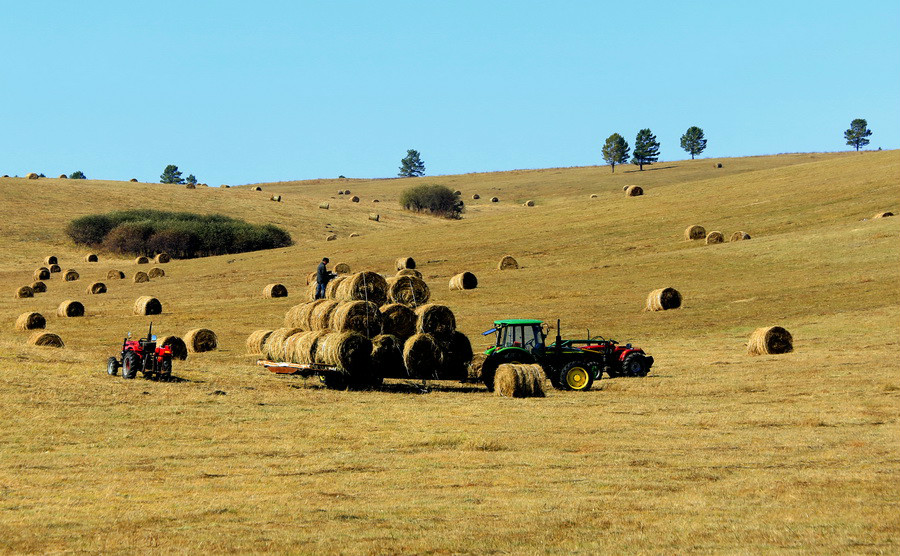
(529, 203)
(201, 339)
(346, 192)
(147, 305)
(141, 260)
(519, 381)
(62, 177)
(50, 260)
(495, 200)
(30, 321)
(374, 217)
(476, 196)
(140, 277)
(115, 275)
(340, 191)
(354, 199)
(663, 299)
(739, 236)
(71, 275)
(276, 198)
(190, 186)
(224, 186)
(55, 268)
(31, 176)
(398, 320)
(634, 191)
(714, 237)
(179, 348)
(364, 286)
(405, 262)
(39, 287)
(257, 188)
(349, 351)
(508, 263)
(275, 290)
(331, 237)
(883, 214)
(42, 273)
(435, 319)
(96, 288)
(694, 232)
(133, 180)
(341, 268)
(422, 356)
(91, 258)
(46, 339)
(156, 272)
(770, 340)
(323, 206)
(464, 281)
(408, 290)
(353, 234)
(24, 291)
(162, 258)
(70, 308)
(409, 272)
(457, 192)
(718, 165)
(257, 341)
(593, 195)
(275, 344)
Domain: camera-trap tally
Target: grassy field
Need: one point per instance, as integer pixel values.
(715, 452)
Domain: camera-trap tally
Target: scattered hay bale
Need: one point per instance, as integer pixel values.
(694, 232)
(528, 203)
(31, 176)
(69, 308)
(223, 186)
(387, 355)
(346, 192)
(275, 290)
(24, 291)
(770, 340)
(361, 317)
(349, 351)
(55, 268)
(435, 319)
(147, 305)
(179, 348)
(162, 258)
(340, 191)
(398, 320)
(342, 268)
(495, 200)
(142, 260)
(508, 263)
(324, 206)
(353, 234)
(276, 198)
(714, 237)
(409, 272)
(274, 345)
(63, 177)
(405, 262)
(457, 192)
(91, 258)
(634, 191)
(464, 281)
(332, 286)
(30, 321)
(190, 186)
(593, 195)
(331, 237)
(257, 188)
(71, 275)
(140, 276)
(96, 288)
(408, 290)
(311, 291)
(133, 180)
(374, 217)
(363, 286)
(302, 346)
(156, 272)
(476, 196)
(311, 278)
(739, 236)
(519, 381)
(46, 339)
(663, 299)
(39, 287)
(51, 260)
(354, 199)
(115, 275)
(201, 339)
(321, 315)
(456, 355)
(883, 214)
(42, 273)
(422, 356)
(375, 201)
(718, 164)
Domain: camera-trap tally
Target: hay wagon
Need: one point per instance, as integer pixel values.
(333, 376)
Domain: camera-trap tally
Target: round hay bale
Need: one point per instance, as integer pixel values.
(320, 315)
(634, 191)
(179, 348)
(770, 340)
(409, 272)
(331, 237)
(495, 200)
(362, 317)
(375, 201)
(346, 192)
(133, 180)
(42, 273)
(141, 260)
(363, 286)
(69, 308)
(324, 206)
(405, 262)
(140, 276)
(739, 236)
(714, 237)
(408, 290)
(422, 356)
(353, 234)
(519, 381)
(354, 199)
(456, 355)
(476, 196)
(398, 320)
(883, 215)
(162, 258)
(374, 217)
(276, 198)
(31, 176)
(464, 281)
(718, 164)
(201, 339)
(342, 268)
(273, 347)
(301, 347)
(275, 290)
(298, 315)
(91, 258)
(663, 299)
(190, 186)
(55, 268)
(156, 272)
(332, 286)
(30, 321)
(457, 192)
(96, 288)
(257, 188)
(311, 278)
(71, 275)
(223, 186)
(340, 191)
(435, 319)
(46, 339)
(147, 305)
(349, 351)
(311, 291)
(387, 355)
(694, 232)
(39, 287)
(63, 177)
(593, 195)
(508, 263)
(115, 275)
(24, 291)
(528, 203)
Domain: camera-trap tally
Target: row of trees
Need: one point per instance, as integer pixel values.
(646, 147)
(172, 175)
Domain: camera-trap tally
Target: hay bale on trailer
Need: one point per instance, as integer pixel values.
(147, 305)
(714, 237)
(464, 281)
(70, 308)
(298, 315)
(770, 340)
(634, 191)
(363, 286)
(141, 260)
(275, 290)
(456, 355)
(349, 351)
(24, 291)
(362, 317)
(96, 288)
(156, 272)
(422, 356)
(663, 299)
(409, 272)
(519, 381)
(694, 232)
(91, 258)
(302, 346)
(115, 275)
(387, 355)
(71, 275)
(275, 343)
(320, 315)
(508, 263)
(140, 277)
(162, 258)
(42, 273)
(39, 287)
(30, 321)
(201, 339)
(46, 339)
(435, 319)
(398, 320)
(408, 290)
(405, 262)
(739, 236)
(332, 286)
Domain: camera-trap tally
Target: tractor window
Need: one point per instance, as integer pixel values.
(519, 336)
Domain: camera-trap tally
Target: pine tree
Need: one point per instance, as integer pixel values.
(411, 166)
(856, 135)
(615, 150)
(692, 141)
(646, 148)
(77, 175)
(171, 175)
(191, 179)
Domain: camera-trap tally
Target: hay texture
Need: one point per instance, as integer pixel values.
(883, 215)
(274, 345)
(179, 348)
(456, 355)
(663, 299)
(42, 273)
(349, 351)
(408, 290)
(301, 347)
(771, 340)
(464, 281)
(363, 286)
(156, 272)
(739, 236)
(332, 286)
(39, 287)
(51, 260)
(71, 275)
(46, 339)
(409, 272)
(24, 291)
(141, 260)
(342, 268)
(519, 381)
(422, 356)
(140, 276)
(162, 258)
(320, 315)
(435, 319)
(147, 305)
(714, 237)
(91, 258)
(69, 308)
(405, 262)
(256, 341)
(694, 232)
(30, 321)
(275, 290)
(528, 203)
(634, 191)
(96, 288)
(398, 320)
(508, 263)
(115, 275)
(387, 355)
(362, 317)
(200, 340)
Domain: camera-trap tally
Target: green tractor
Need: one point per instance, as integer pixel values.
(569, 364)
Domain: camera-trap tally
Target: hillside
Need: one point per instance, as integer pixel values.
(714, 452)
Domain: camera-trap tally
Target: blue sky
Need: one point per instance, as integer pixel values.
(242, 92)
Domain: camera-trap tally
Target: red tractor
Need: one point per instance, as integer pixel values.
(142, 355)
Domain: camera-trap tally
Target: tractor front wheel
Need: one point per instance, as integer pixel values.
(576, 376)
(634, 365)
(112, 366)
(131, 364)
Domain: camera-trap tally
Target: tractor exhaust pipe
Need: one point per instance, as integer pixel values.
(558, 338)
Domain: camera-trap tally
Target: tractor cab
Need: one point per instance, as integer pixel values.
(523, 334)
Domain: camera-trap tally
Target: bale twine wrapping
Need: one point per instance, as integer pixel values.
(46, 339)
(298, 315)
(69, 308)
(528, 203)
(409, 272)
(883, 214)
(435, 319)
(363, 286)
(408, 290)
(275, 290)
(323, 206)
(30, 321)
(96, 288)
(694, 232)
(55, 268)
(739, 236)
(115, 275)
(147, 305)
(156, 272)
(39, 287)
(362, 317)
(71, 275)
(422, 356)
(141, 260)
(387, 355)
(321, 314)
(162, 258)
(476, 196)
(456, 355)
(508, 263)
(464, 281)
(495, 200)
(302, 346)
(663, 299)
(405, 262)
(342, 268)
(42, 273)
(311, 291)
(634, 191)
(398, 320)
(331, 237)
(201, 339)
(354, 199)
(519, 381)
(349, 351)
(179, 348)
(91, 258)
(24, 291)
(31, 176)
(274, 345)
(332, 286)
(374, 217)
(140, 276)
(770, 340)
(714, 237)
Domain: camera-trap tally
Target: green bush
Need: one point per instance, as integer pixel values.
(439, 200)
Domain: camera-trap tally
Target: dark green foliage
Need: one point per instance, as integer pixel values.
(692, 141)
(180, 234)
(646, 148)
(191, 179)
(615, 150)
(856, 135)
(433, 199)
(171, 175)
(412, 166)
(77, 175)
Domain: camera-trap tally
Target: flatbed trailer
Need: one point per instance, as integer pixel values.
(300, 369)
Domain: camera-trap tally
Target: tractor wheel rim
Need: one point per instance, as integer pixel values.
(576, 378)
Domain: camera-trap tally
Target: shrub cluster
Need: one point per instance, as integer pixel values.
(182, 235)
(433, 199)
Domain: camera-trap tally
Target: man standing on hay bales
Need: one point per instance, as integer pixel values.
(322, 278)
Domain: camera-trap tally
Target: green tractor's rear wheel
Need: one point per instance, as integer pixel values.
(494, 360)
(576, 376)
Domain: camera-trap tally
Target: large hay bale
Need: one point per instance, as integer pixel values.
(476, 196)
(162, 258)
(718, 164)
(133, 180)
(311, 278)
(200, 340)
(276, 198)
(883, 214)
(694, 232)
(331, 237)
(362, 317)
(275, 290)
(408, 290)
(24, 291)
(179, 348)
(464, 281)
(422, 356)
(96, 288)
(409, 272)
(398, 320)
(190, 186)
(332, 286)
(405, 262)
(323, 206)
(346, 192)
(663, 299)
(528, 203)
(54, 268)
(508, 263)
(115, 275)
(341, 268)
(46, 339)
(363, 286)
(69, 308)
(311, 291)
(374, 217)
(51, 260)
(321, 314)
(147, 305)
(714, 237)
(39, 287)
(71, 275)
(156, 272)
(349, 351)
(495, 200)
(456, 355)
(302, 346)
(257, 188)
(387, 355)
(141, 260)
(42, 273)
(91, 258)
(770, 340)
(140, 277)
(354, 199)
(435, 319)
(32, 176)
(273, 347)
(30, 321)
(519, 381)
(739, 236)
(634, 191)
(63, 177)
(298, 315)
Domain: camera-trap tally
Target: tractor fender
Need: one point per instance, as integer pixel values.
(622, 354)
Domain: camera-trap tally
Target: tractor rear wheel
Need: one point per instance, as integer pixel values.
(131, 364)
(112, 366)
(634, 365)
(576, 376)
(489, 368)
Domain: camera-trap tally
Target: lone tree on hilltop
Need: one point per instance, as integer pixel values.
(412, 166)
(191, 179)
(692, 141)
(646, 148)
(615, 150)
(171, 175)
(77, 175)
(856, 135)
